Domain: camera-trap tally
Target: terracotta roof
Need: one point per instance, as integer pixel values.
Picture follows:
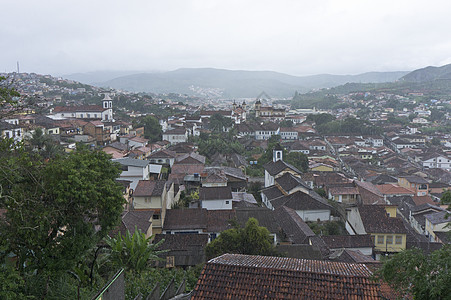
(81, 108)
(419, 200)
(376, 220)
(190, 158)
(348, 241)
(275, 168)
(369, 194)
(219, 220)
(185, 219)
(142, 219)
(164, 153)
(215, 193)
(235, 276)
(294, 228)
(149, 188)
(301, 201)
(394, 189)
(288, 182)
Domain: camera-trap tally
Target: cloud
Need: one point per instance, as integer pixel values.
(297, 37)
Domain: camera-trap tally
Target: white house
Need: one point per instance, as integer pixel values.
(215, 198)
(136, 169)
(437, 162)
(175, 136)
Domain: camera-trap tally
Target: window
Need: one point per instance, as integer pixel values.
(398, 240)
(156, 217)
(227, 201)
(389, 239)
(380, 239)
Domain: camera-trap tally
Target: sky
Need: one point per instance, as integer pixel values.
(296, 37)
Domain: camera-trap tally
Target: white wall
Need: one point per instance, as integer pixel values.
(217, 204)
(314, 215)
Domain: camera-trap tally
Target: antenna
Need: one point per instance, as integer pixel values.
(18, 68)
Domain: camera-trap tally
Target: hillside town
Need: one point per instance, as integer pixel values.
(352, 183)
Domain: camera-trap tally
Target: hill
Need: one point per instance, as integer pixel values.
(237, 83)
(429, 74)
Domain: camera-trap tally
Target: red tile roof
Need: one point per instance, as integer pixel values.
(235, 276)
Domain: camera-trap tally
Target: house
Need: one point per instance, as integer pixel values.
(152, 195)
(277, 167)
(382, 223)
(237, 276)
(164, 156)
(97, 130)
(8, 130)
(392, 190)
(181, 250)
(309, 206)
(435, 223)
(137, 142)
(141, 220)
(288, 133)
(346, 193)
(137, 169)
(419, 185)
(437, 161)
(360, 242)
(213, 198)
(175, 136)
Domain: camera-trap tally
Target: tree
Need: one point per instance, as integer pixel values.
(57, 210)
(298, 160)
(423, 276)
(133, 252)
(152, 128)
(252, 239)
(320, 119)
(219, 123)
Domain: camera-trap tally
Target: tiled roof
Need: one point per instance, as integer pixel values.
(348, 241)
(419, 200)
(187, 169)
(301, 201)
(272, 192)
(343, 190)
(275, 168)
(393, 189)
(219, 220)
(118, 146)
(184, 219)
(351, 256)
(81, 108)
(142, 219)
(369, 194)
(190, 158)
(376, 220)
(181, 242)
(438, 217)
(132, 162)
(415, 179)
(235, 276)
(164, 153)
(288, 182)
(215, 193)
(149, 188)
(294, 228)
(264, 216)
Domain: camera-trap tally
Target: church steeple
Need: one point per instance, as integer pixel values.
(277, 153)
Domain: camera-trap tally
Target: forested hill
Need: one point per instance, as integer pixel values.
(239, 84)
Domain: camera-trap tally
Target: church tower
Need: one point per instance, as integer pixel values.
(277, 153)
(107, 105)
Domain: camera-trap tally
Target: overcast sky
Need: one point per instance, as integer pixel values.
(292, 36)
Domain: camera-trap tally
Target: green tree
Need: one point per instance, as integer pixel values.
(219, 123)
(320, 119)
(423, 276)
(133, 252)
(152, 128)
(252, 239)
(298, 160)
(56, 211)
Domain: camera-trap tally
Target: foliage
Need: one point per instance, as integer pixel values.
(12, 284)
(152, 128)
(185, 200)
(44, 144)
(321, 192)
(349, 126)
(320, 119)
(219, 123)
(56, 210)
(252, 239)
(133, 252)
(298, 160)
(143, 283)
(423, 276)
(254, 189)
(327, 228)
(286, 123)
(209, 145)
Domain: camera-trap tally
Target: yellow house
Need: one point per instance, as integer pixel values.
(415, 183)
(321, 167)
(385, 227)
(436, 222)
(152, 195)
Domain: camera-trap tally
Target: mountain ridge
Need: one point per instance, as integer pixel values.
(238, 83)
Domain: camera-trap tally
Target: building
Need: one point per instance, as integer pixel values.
(237, 276)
